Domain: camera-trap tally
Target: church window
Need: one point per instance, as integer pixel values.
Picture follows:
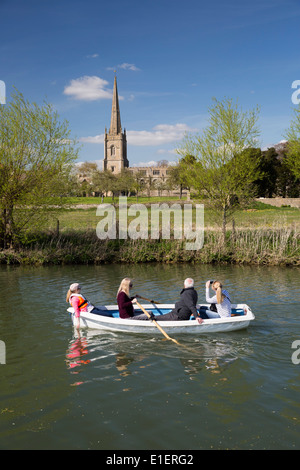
(112, 150)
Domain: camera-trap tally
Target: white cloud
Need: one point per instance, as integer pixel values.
(166, 152)
(160, 135)
(151, 163)
(97, 139)
(92, 56)
(88, 89)
(125, 66)
(143, 164)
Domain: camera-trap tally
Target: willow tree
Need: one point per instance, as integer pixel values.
(36, 157)
(224, 169)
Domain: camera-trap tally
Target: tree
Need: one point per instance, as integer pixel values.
(85, 173)
(99, 183)
(293, 145)
(179, 175)
(268, 166)
(104, 182)
(36, 157)
(138, 183)
(125, 181)
(224, 170)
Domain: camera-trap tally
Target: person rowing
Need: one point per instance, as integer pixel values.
(125, 302)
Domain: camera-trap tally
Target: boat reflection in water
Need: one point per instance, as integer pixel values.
(113, 352)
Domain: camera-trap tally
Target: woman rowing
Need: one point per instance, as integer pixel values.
(125, 302)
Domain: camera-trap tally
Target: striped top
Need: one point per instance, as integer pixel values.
(224, 308)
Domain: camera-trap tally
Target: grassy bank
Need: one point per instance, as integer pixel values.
(258, 215)
(256, 246)
(263, 235)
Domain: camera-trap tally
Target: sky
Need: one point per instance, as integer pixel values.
(171, 58)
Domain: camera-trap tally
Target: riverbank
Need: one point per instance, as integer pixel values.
(258, 246)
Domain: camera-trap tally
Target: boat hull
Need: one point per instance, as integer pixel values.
(116, 324)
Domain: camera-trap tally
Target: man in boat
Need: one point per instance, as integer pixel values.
(185, 307)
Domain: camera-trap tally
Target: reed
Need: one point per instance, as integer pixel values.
(254, 246)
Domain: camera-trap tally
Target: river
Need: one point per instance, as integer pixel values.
(237, 390)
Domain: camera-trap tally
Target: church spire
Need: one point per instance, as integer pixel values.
(115, 123)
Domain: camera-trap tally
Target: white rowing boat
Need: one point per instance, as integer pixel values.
(240, 319)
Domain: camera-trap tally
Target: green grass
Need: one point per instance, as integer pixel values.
(277, 247)
(109, 200)
(263, 235)
(258, 215)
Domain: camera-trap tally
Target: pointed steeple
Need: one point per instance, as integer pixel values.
(115, 142)
(115, 122)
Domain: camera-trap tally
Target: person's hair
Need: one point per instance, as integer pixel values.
(220, 296)
(71, 290)
(189, 282)
(68, 295)
(125, 285)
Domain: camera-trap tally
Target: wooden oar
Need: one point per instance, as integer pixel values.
(151, 301)
(156, 324)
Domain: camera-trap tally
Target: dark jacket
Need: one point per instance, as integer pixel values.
(125, 305)
(186, 306)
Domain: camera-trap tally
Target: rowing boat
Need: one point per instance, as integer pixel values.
(241, 317)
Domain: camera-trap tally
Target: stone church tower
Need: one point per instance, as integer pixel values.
(115, 143)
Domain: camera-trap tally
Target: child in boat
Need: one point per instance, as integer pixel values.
(125, 303)
(221, 302)
(81, 304)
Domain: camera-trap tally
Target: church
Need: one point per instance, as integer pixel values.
(115, 152)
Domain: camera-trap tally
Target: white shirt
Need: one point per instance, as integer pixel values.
(224, 308)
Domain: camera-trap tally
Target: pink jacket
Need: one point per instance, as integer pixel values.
(75, 302)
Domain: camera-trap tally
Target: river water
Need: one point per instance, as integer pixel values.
(237, 390)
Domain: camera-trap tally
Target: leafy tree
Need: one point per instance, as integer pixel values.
(36, 157)
(85, 173)
(179, 174)
(138, 183)
(125, 182)
(104, 182)
(268, 166)
(224, 170)
(293, 137)
(287, 185)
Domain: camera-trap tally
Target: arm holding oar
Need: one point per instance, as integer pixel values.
(145, 298)
(125, 302)
(156, 324)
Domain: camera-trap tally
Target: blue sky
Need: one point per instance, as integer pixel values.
(171, 58)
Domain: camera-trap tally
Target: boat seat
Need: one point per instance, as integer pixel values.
(235, 312)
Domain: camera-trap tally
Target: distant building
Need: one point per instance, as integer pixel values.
(115, 154)
(115, 142)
